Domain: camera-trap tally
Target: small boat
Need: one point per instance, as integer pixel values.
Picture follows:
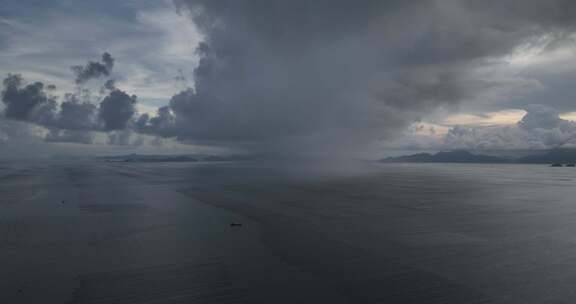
(556, 165)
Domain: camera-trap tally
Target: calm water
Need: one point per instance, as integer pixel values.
(368, 233)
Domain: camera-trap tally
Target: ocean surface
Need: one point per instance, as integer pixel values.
(103, 232)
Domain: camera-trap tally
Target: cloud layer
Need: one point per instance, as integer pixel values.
(540, 128)
(76, 116)
(329, 76)
(322, 77)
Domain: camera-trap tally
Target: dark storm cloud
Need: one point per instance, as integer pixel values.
(27, 102)
(93, 69)
(32, 103)
(117, 110)
(76, 114)
(336, 75)
(76, 117)
(161, 124)
(324, 76)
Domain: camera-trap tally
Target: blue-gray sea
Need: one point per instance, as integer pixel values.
(105, 232)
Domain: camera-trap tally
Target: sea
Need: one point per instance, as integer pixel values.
(265, 232)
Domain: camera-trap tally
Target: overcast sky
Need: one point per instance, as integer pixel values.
(286, 77)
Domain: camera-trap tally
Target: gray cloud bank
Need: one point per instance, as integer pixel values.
(540, 128)
(338, 75)
(324, 76)
(76, 116)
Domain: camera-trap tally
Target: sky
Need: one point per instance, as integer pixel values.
(303, 78)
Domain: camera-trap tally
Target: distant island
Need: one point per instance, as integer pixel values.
(553, 156)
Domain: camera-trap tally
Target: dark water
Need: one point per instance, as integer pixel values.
(161, 233)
